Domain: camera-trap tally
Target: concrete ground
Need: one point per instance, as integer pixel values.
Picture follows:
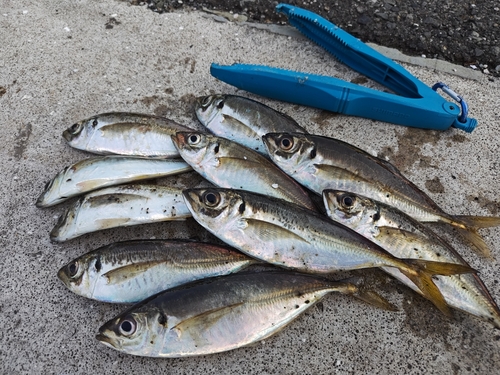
(64, 61)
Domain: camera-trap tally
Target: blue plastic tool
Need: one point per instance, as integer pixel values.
(414, 103)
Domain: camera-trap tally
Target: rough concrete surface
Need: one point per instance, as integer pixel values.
(64, 61)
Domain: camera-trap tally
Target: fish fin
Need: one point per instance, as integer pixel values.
(270, 232)
(479, 221)
(341, 175)
(479, 246)
(374, 299)
(129, 271)
(421, 275)
(358, 290)
(203, 321)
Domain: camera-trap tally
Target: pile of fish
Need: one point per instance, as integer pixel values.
(265, 177)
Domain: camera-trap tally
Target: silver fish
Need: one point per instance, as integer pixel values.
(95, 173)
(120, 206)
(222, 161)
(242, 120)
(216, 315)
(405, 237)
(321, 163)
(287, 235)
(123, 133)
(131, 271)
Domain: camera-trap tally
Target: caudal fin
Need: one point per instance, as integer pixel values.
(479, 221)
(420, 272)
(471, 235)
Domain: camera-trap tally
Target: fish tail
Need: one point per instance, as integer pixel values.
(478, 221)
(420, 272)
(360, 292)
(471, 235)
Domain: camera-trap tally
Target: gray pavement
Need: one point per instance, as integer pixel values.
(64, 61)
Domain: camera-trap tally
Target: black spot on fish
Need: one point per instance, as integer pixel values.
(68, 180)
(162, 319)
(297, 306)
(307, 301)
(98, 264)
(376, 216)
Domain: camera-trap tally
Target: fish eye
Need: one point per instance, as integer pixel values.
(286, 143)
(347, 201)
(206, 101)
(220, 104)
(194, 139)
(94, 123)
(211, 199)
(127, 326)
(73, 269)
(75, 128)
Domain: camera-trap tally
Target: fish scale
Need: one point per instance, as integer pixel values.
(131, 271)
(216, 315)
(405, 237)
(321, 163)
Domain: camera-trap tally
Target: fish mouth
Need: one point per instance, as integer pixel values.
(106, 340)
(67, 136)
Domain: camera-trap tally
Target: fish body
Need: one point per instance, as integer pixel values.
(228, 164)
(131, 271)
(122, 205)
(287, 235)
(405, 237)
(123, 133)
(95, 173)
(215, 315)
(321, 163)
(242, 120)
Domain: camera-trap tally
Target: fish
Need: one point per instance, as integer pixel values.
(289, 236)
(123, 133)
(221, 161)
(321, 163)
(242, 120)
(216, 315)
(131, 271)
(99, 172)
(119, 206)
(405, 237)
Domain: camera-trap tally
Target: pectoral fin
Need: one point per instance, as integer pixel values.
(124, 273)
(270, 232)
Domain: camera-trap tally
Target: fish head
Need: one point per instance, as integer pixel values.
(350, 209)
(78, 134)
(193, 146)
(137, 331)
(64, 228)
(214, 207)
(208, 107)
(290, 151)
(50, 193)
(81, 274)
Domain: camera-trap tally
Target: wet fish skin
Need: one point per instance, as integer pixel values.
(99, 172)
(321, 163)
(216, 315)
(242, 120)
(289, 236)
(123, 133)
(122, 205)
(131, 271)
(405, 237)
(221, 161)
